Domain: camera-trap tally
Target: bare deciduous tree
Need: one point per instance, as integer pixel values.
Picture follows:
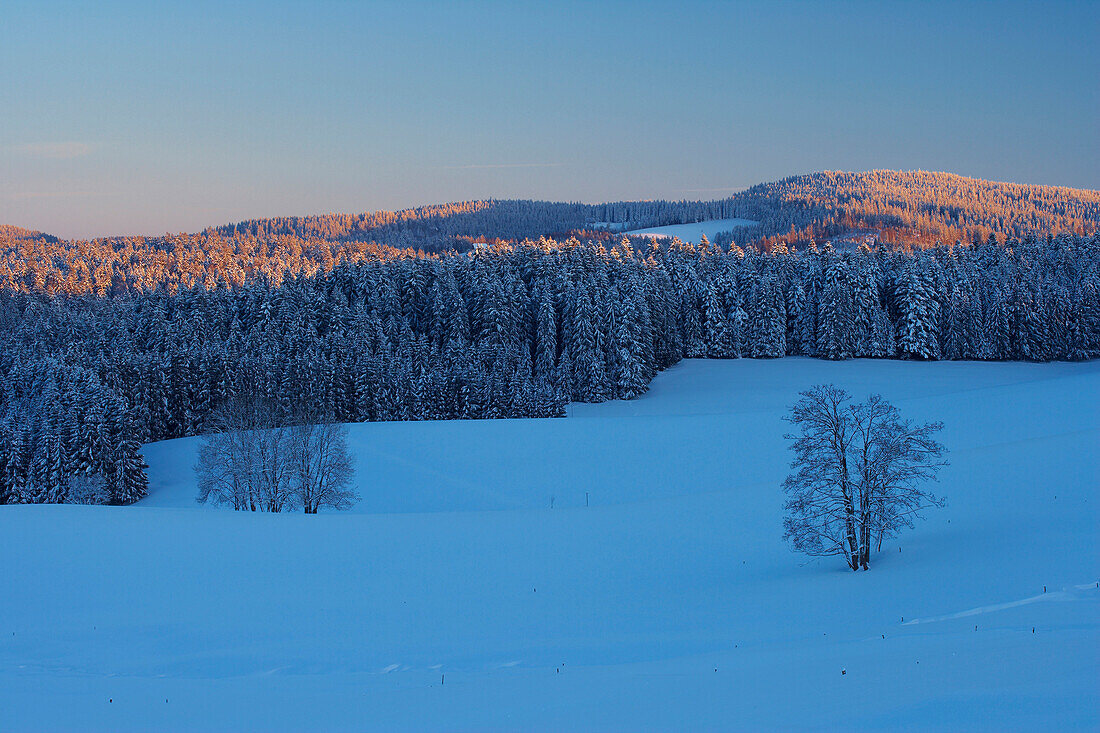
(252, 462)
(88, 488)
(857, 474)
(243, 462)
(322, 469)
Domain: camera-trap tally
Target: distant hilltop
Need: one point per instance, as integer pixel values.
(899, 209)
(914, 207)
(10, 234)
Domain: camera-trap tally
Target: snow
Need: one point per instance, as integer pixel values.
(454, 597)
(693, 232)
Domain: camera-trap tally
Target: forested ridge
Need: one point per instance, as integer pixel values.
(915, 209)
(512, 330)
(904, 210)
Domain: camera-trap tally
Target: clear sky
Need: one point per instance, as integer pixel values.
(126, 118)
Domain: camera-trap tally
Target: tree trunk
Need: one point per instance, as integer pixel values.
(850, 530)
(850, 517)
(865, 541)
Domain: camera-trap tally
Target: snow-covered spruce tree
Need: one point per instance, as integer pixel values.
(796, 304)
(865, 304)
(692, 325)
(589, 363)
(769, 322)
(857, 476)
(629, 345)
(1088, 317)
(919, 317)
(808, 317)
(546, 337)
(996, 329)
(7, 460)
(954, 326)
(1031, 328)
(720, 338)
(836, 325)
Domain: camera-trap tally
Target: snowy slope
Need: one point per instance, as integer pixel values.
(693, 232)
(668, 603)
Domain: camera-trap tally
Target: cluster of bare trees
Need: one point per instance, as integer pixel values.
(857, 474)
(252, 461)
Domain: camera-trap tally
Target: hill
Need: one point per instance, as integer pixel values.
(902, 209)
(919, 209)
(10, 233)
(458, 598)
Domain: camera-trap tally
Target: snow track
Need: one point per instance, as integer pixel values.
(1076, 593)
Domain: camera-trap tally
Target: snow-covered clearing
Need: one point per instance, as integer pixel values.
(457, 598)
(694, 232)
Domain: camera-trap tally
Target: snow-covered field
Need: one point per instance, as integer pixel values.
(457, 598)
(694, 232)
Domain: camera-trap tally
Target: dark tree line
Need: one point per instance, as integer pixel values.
(506, 331)
(65, 437)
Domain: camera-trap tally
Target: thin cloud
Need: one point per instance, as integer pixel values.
(55, 194)
(723, 188)
(54, 151)
(500, 165)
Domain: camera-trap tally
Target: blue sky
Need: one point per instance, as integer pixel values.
(123, 118)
